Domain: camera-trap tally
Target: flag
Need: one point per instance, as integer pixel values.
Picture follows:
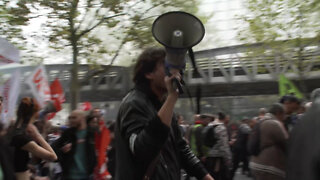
(85, 106)
(38, 83)
(10, 91)
(8, 53)
(57, 96)
(102, 141)
(287, 87)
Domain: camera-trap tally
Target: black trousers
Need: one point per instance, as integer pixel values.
(240, 156)
(217, 168)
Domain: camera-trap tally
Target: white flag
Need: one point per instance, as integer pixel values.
(38, 83)
(8, 53)
(10, 91)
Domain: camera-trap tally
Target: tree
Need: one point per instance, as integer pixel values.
(96, 30)
(293, 22)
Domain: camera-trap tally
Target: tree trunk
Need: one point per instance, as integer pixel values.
(302, 86)
(74, 86)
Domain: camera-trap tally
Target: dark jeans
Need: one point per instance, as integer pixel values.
(239, 156)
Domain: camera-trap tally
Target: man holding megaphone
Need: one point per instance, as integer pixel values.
(149, 144)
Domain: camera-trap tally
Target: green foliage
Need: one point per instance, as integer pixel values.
(270, 20)
(95, 31)
(73, 22)
(284, 29)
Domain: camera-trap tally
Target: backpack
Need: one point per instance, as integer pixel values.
(253, 146)
(209, 138)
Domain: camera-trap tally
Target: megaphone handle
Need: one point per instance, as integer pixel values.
(177, 84)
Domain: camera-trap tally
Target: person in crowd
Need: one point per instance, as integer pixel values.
(182, 125)
(253, 122)
(270, 163)
(196, 120)
(41, 168)
(219, 160)
(93, 122)
(55, 168)
(196, 139)
(27, 139)
(54, 134)
(226, 120)
(6, 152)
(239, 150)
(75, 148)
(262, 113)
(148, 140)
(111, 153)
(291, 105)
(232, 130)
(303, 150)
(96, 121)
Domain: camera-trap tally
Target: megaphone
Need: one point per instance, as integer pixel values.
(48, 108)
(178, 31)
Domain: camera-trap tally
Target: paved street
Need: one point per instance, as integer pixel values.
(238, 176)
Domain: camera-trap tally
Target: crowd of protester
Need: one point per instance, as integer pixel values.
(279, 142)
(279, 132)
(32, 148)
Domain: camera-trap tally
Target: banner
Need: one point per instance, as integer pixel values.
(8, 53)
(57, 96)
(38, 83)
(286, 87)
(10, 91)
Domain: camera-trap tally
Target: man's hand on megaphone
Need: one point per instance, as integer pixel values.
(170, 81)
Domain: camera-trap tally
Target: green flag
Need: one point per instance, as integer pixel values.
(287, 87)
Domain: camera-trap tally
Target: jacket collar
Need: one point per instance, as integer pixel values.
(144, 88)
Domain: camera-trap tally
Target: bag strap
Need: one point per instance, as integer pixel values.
(151, 168)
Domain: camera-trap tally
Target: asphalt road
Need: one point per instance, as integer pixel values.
(238, 176)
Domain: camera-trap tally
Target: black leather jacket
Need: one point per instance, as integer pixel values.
(66, 159)
(141, 136)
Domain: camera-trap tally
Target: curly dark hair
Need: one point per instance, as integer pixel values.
(146, 63)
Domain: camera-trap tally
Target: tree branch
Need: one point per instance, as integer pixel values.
(105, 69)
(100, 22)
(74, 6)
(82, 20)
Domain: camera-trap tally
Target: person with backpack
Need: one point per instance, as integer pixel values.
(268, 161)
(218, 161)
(196, 139)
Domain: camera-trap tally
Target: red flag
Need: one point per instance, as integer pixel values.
(85, 106)
(102, 141)
(57, 96)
